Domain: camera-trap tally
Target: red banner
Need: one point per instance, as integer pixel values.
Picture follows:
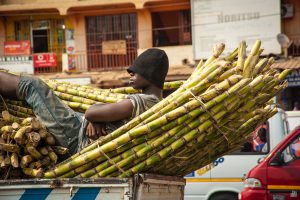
(44, 60)
(14, 48)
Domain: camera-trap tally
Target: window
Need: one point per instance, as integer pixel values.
(171, 28)
(292, 151)
(257, 142)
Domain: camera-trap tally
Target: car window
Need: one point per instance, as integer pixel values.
(257, 142)
(292, 151)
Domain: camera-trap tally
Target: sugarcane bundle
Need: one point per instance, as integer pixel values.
(79, 97)
(208, 116)
(26, 147)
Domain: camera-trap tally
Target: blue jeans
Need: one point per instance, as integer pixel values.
(60, 120)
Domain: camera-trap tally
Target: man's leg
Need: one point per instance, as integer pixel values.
(59, 119)
(8, 85)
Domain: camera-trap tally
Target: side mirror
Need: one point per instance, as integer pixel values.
(277, 160)
(259, 160)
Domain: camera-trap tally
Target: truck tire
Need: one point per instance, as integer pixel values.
(224, 196)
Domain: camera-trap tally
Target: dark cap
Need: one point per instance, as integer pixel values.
(153, 65)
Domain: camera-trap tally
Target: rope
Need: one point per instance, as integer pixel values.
(4, 103)
(108, 158)
(208, 112)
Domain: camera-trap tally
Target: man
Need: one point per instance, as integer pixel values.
(148, 74)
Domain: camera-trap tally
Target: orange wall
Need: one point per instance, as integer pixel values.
(144, 29)
(291, 26)
(2, 35)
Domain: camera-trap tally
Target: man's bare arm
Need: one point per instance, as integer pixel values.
(109, 112)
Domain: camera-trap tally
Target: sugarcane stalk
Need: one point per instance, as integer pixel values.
(25, 161)
(250, 60)
(13, 148)
(43, 150)
(20, 133)
(34, 138)
(14, 160)
(159, 156)
(80, 160)
(156, 108)
(52, 155)
(72, 98)
(33, 152)
(158, 143)
(20, 109)
(10, 118)
(77, 106)
(7, 128)
(60, 150)
(50, 139)
(43, 133)
(241, 55)
(38, 173)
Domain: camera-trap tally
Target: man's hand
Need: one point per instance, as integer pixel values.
(95, 130)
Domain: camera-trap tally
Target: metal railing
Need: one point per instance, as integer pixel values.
(294, 49)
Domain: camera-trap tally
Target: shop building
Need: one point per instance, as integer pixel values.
(94, 35)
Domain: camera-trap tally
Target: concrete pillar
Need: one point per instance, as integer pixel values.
(144, 29)
(2, 34)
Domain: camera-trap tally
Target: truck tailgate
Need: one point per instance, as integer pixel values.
(141, 187)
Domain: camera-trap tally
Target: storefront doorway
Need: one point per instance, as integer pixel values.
(40, 41)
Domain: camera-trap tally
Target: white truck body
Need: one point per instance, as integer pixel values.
(223, 178)
(141, 187)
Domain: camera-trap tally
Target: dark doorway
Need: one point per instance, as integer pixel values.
(40, 41)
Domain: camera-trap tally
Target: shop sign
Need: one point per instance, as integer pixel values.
(15, 48)
(114, 47)
(44, 60)
(70, 42)
(19, 64)
(294, 78)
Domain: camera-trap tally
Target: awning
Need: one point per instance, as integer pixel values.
(291, 63)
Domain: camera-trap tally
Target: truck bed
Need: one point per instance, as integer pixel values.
(141, 187)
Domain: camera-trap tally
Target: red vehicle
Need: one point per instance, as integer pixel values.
(276, 177)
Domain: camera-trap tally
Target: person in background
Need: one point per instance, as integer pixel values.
(260, 140)
(296, 106)
(73, 131)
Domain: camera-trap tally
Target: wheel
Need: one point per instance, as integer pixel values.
(224, 196)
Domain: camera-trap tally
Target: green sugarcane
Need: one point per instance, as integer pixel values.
(17, 103)
(259, 67)
(232, 55)
(20, 109)
(81, 90)
(13, 148)
(133, 144)
(134, 122)
(267, 67)
(194, 91)
(80, 160)
(103, 97)
(138, 167)
(77, 105)
(113, 160)
(233, 138)
(217, 51)
(241, 56)
(173, 147)
(20, 115)
(231, 104)
(72, 98)
(247, 70)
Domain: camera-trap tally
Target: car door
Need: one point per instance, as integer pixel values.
(283, 173)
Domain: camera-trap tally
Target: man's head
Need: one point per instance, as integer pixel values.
(152, 65)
